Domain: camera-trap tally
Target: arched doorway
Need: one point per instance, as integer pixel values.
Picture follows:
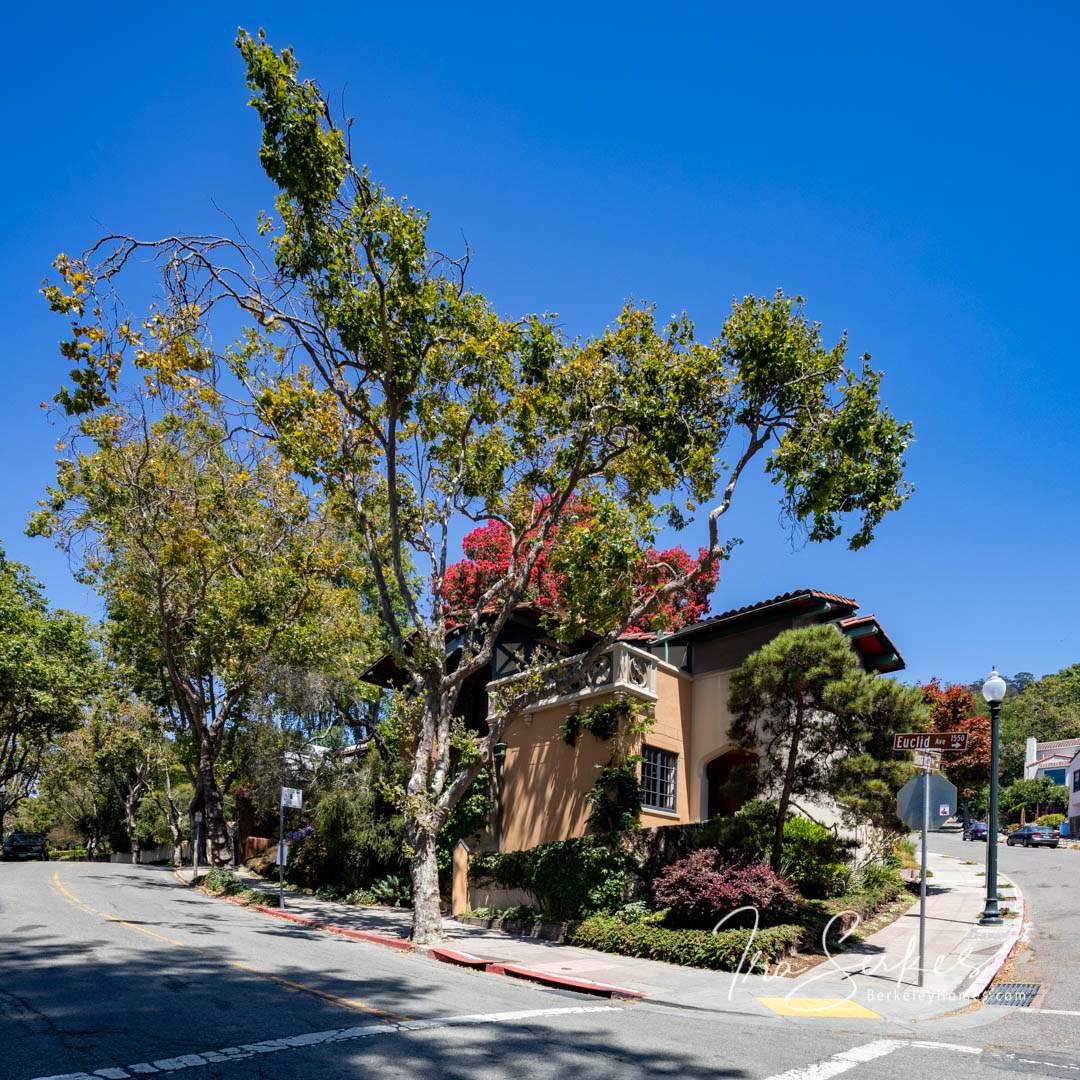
(730, 780)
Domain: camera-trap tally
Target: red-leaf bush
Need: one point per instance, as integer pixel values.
(702, 888)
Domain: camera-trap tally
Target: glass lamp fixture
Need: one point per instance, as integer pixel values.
(993, 690)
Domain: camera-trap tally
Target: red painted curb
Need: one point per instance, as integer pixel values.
(452, 956)
(277, 913)
(561, 982)
(313, 924)
(402, 944)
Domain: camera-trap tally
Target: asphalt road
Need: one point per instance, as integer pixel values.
(118, 971)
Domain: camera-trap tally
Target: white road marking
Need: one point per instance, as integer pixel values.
(315, 1038)
(1056, 1012)
(857, 1055)
(840, 1063)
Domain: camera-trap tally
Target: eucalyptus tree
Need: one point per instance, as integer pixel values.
(402, 393)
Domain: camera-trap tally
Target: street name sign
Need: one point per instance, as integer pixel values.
(931, 740)
(911, 800)
(913, 807)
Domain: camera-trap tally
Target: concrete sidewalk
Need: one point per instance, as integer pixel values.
(877, 979)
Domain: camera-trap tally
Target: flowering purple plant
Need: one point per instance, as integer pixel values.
(301, 834)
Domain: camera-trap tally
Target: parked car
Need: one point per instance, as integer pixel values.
(976, 831)
(25, 845)
(1034, 836)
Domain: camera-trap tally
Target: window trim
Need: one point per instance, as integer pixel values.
(672, 781)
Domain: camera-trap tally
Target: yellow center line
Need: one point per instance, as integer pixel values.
(345, 1003)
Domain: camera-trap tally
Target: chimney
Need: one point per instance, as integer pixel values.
(1030, 757)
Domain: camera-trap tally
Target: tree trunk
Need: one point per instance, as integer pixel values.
(785, 796)
(172, 815)
(132, 831)
(427, 926)
(210, 800)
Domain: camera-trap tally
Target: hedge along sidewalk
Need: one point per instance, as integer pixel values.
(722, 991)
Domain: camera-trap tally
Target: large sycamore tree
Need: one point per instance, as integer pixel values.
(387, 380)
(215, 566)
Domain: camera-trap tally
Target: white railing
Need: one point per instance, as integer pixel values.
(623, 668)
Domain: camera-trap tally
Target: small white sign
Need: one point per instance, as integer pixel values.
(282, 853)
(292, 796)
(943, 810)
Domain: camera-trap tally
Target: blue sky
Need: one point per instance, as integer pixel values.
(912, 173)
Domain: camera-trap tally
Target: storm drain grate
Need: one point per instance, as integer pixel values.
(1018, 994)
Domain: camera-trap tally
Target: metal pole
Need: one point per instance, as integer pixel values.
(991, 916)
(281, 852)
(195, 845)
(922, 883)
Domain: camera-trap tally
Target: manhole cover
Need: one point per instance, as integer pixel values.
(1018, 994)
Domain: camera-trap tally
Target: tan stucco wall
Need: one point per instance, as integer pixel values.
(544, 781)
(671, 730)
(710, 721)
(542, 794)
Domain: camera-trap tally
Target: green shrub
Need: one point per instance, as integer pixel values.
(814, 859)
(1052, 821)
(615, 798)
(394, 889)
(222, 882)
(722, 951)
(569, 878)
(747, 834)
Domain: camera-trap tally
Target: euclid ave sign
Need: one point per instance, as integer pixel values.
(931, 740)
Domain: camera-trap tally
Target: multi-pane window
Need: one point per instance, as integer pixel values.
(659, 769)
(1076, 780)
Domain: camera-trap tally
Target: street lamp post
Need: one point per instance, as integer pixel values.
(993, 691)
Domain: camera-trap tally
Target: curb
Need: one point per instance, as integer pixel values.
(401, 944)
(560, 982)
(988, 972)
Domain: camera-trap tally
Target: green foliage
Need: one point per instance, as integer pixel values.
(822, 725)
(391, 384)
(876, 886)
(601, 721)
(569, 878)
(520, 914)
(722, 951)
(359, 834)
(1046, 709)
(1052, 821)
(1034, 797)
(48, 671)
(615, 798)
(745, 834)
(814, 859)
(468, 817)
(394, 889)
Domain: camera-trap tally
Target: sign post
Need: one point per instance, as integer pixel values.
(294, 797)
(196, 843)
(913, 803)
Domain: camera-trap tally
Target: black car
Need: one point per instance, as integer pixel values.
(1034, 836)
(976, 831)
(25, 845)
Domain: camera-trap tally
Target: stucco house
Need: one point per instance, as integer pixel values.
(1050, 759)
(1073, 782)
(542, 783)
